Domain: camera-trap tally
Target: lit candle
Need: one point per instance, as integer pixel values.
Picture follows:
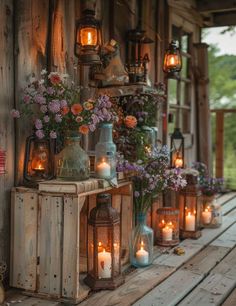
(89, 38)
(100, 248)
(39, 167)
(206, 216)
(142, 256)
(104, 264)
(178, 162)
(190, 222)
(167, 233)
(104, 169)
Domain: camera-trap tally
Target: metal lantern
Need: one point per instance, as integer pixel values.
(39, 160)
(168, 226)
(104, 246)
(88, 38)
(177, 149)
(136, 61)
(172, 59)
(211, 213)
(190, 208)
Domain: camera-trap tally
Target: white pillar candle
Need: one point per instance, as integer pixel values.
(104, 264)
(167, 233)
(190, 222)
(142, 256)
(206, 216)
(103, 169)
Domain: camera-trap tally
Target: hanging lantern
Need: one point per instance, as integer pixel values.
(177, 149)
(190, 208)
(39, 160)
(88, 38)
(104, 260)
(2, 162)
(172, 59)
(168, 226)
(136, 61)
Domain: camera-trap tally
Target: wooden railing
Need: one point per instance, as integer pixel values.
(220, 116)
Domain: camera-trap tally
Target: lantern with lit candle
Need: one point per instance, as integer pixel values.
(190, 208)
(88, 38)
(172, 59)
(168, 226)
(211, 213)
(177, 149)
(104, 260)
(39, 160)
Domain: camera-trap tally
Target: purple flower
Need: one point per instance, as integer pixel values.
(39, 134)
(43, 108)
(58, 118)
(92, 127)
(54, 106)
(136, 194)
(27, 99)
(50, 90)
(39, 99)
(46, 119)
(63, 103)
(53, 135)
(38, 124)
(15, 113)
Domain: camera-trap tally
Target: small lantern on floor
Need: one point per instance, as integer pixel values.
(168, 226)
(88, 38)
(177, 149)
(211, 213)
(172, 59)
(105, 153)
(104, 261)
(190, 208)
(2, 162)
(137, 62)
(39, 160)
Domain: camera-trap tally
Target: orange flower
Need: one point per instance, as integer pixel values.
(84, 129)
(76, 109)
(130, 121)
(54, 78)
(65, 110)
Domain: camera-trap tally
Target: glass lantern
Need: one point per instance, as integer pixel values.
(104, 260)
(141, 243)
(172, 60)
(211, 213)
(105, 153)
(177, 149)
(190, 208)
(39, 160)
(149, 139)
(88, 38)
(168, 226)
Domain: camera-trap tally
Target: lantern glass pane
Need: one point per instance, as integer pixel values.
(88, 36)
(116, 245)
(190, 213)
(104, 245)
(172, 91)
(90, 250)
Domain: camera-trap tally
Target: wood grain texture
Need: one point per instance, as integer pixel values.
(231, 300)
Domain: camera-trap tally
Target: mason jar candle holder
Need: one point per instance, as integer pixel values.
(168, 226)
(211, 213)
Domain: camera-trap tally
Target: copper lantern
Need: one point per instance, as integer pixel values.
(172, 59)
(190, 208)
(88, 38)
(39, 160)
(104, 260)
(168, 226)
(177, 149)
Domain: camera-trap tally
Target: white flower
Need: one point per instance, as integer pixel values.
(43, 72)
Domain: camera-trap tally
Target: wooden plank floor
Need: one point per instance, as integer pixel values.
(204, 276)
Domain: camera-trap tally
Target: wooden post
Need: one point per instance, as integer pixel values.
(219, 143)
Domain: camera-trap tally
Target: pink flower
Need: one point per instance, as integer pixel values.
(38, 124)
(55, 78)
(43, 108)
(46, 119)
(26, 99)
(39, 134)
(63, 103)
(50, 91)
(78, 119)
(39, 99)
(15, 113)
(53, 135)
(76, 109)
(54, 106)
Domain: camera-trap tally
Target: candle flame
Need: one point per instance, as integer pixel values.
(206, 210)
(189, 213)
(172, 60)
(194, 212)
(104, 250)
(163, 221)
(99, 243)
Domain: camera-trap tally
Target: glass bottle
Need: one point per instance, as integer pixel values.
(141, 243)
(105, 153)
(73, 162)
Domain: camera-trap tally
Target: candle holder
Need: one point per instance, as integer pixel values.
(190, 208)
(104, 260)
(177, 149)
(211, 213)
(141, 243)
(168, 226)
(105, 153)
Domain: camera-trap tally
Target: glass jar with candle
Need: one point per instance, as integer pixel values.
(105, 153)
(211, 214)
(141, 243)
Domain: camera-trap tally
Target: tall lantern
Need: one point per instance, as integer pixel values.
(39, 160)
(190, 208)
(88, 38)
(104, 260)
(177, 149)
(172, 59)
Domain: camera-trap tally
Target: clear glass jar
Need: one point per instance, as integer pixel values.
(141, 243)
(73, 162)
(105, 153)
(211, 213)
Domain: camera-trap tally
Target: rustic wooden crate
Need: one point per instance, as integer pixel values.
(49, 235)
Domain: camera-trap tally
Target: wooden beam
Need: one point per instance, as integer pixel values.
(206, 6)
(219, 144)
(224, 19)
